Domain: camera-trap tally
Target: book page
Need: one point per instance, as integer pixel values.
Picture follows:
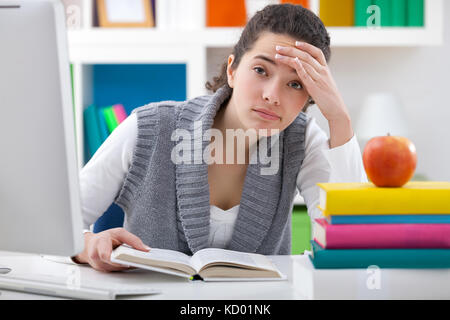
(166, 255)
(155, 257)
(207, 257)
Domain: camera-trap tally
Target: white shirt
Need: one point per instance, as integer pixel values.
(102, 177)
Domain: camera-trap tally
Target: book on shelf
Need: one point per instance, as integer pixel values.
(385, 11)
(209, 264)
(102, 124)
(110, 118)
(383, 258)
(415, 13)
(303, 3)
(361, 14)
(120, 113)
(381, 236)
(230, 13)
(92, 132)
(386, 218)
(392, 13)
(99, 123)
(398, 14)
(337, 13)
(415, 197)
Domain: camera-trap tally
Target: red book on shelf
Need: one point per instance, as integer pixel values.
(229, 13)
(120, 112)
(389, 236)
(303, 3)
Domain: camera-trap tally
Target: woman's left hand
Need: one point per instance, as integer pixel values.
(313, 71)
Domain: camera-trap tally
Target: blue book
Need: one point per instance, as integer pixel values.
(102, 125)
(380, 219)
(383, 258)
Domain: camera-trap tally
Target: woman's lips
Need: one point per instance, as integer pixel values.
(265, 114)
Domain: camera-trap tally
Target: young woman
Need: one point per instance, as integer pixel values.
(277, 69)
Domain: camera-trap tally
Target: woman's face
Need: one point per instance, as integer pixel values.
(263, 85)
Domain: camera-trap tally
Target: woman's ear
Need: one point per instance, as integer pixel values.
(230, 71)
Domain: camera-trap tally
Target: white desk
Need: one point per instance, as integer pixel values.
(304, 282)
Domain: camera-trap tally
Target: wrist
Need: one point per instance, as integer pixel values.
(341, 131)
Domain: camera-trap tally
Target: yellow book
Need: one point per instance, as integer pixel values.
(415, 197)
(337, 13)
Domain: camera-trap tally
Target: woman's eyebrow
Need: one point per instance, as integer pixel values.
(262, 57)
(266, 58)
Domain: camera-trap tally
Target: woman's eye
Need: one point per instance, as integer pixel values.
(259, 70)
(296, 85)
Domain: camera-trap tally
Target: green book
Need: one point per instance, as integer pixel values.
(91, 130)
(383, 258)
(398, 13)
(361, 14)
(415, 13)
(301, 230)
(110, 118)
(385, 11)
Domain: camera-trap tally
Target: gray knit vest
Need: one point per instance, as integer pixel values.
(167, 203)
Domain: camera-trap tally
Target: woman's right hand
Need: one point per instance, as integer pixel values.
(98, 248)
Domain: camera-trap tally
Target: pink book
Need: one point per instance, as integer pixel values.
(378, 236)
(120, 113)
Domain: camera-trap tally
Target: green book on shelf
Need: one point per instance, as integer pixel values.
(360, 11)
(415, 13)
(398, 13)
(385, 12)
(91, 130)
(110, 118)
(383, 258)
(104, 131)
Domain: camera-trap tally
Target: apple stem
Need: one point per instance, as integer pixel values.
(389, 134)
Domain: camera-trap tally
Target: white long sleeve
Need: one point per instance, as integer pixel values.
(322, 164)
(102, 177)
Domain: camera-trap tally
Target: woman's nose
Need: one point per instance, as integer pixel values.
(271, 94)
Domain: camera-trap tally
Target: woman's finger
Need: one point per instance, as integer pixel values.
(303, 56)
(306, 77)
(310, 70)
(104, 249)
(124, 236)
(313, 51)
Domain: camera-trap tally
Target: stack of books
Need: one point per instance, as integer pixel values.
(407, 227)
(99, 122)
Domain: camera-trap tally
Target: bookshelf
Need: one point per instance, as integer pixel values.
(196, 47)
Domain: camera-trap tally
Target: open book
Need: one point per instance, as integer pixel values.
(210, 264)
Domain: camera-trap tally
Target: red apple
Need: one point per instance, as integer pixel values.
(389, 161)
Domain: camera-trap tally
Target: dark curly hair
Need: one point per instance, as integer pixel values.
(287, 19)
